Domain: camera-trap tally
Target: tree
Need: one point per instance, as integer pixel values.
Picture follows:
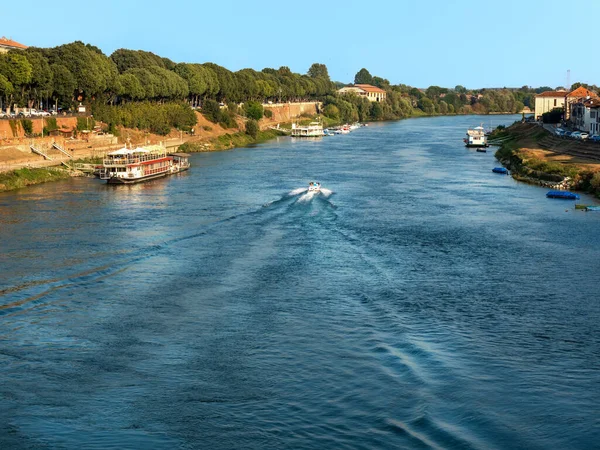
(363, 77)
(253, 110)
(63, 84)
(332, 112)
(318, 71)
(252, 128)
(376, 111)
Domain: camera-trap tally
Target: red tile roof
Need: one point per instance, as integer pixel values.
(10, 43)
(582, 92)
(369, 88)
(552, 94)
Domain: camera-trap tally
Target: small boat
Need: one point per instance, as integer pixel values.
(314, 186)
(481, 150)
(566, 195)
(592, 208)
(502, 170)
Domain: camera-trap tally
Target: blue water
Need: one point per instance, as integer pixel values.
(426, 303)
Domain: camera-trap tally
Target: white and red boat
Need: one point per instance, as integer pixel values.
(128, 166)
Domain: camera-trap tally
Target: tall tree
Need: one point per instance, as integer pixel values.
(318, 71)
(363, 77)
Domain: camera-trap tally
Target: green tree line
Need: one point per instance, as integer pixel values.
(74, 73)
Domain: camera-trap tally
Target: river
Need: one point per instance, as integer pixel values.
(426, 303)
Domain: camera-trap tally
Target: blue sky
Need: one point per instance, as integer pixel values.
(419, 42)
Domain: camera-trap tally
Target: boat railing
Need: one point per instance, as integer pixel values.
(121, 160)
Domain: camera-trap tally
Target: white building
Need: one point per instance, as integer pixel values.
(547, 101)
(372, 93)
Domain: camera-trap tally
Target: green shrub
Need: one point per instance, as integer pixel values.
(27, 126)
(206, 128)
(252, 128)
(211, 110)
(268, 113)
(253, 110)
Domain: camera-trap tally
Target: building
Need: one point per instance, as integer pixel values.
(585, 115)
(547, 101)
(372, 93)
(8, 44)
(579, 95)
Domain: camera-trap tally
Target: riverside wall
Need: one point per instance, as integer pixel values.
(286, 112)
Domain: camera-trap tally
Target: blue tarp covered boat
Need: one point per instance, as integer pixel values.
(503, 170)
(563, 194)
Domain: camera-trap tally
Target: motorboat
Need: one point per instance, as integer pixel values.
(502, 170)
(314, 186)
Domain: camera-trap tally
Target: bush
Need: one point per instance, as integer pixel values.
(268, 113)
(595, 181)
(227, 119)
(211, 110)
(27, 126)
(253, 110)
(332, 112)
(85, 123)
(554, 116)
(252, 128)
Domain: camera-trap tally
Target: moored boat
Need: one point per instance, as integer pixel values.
(566, 195)
(476, 137)
(314, 129)
(128, 166)
(502, 170)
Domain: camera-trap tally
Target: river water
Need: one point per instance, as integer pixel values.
(426, 303)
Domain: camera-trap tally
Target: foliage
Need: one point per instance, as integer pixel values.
(554, 116)
(190, 147)
(211, 110)
(27, 126)
(156, 118)
(332, 112)
(253, 110)
(268, 113)
(25, 177)
(363, 77)
(252, 128)
(85, 123)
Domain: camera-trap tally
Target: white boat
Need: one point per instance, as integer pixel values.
(314, 129)
(314, 186)
(476, 137)
(128, 166)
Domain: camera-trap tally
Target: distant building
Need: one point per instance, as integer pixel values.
(372, 93)
(547, 101)
(8, 44)
(579, 95)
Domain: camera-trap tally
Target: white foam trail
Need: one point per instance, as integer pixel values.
(307, 197)
(326, 192)
(297, 191)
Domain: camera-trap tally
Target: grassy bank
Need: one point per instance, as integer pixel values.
(26, 177)
(524, 153)
(230, 140)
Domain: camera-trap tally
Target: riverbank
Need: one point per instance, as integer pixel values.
(533, 155)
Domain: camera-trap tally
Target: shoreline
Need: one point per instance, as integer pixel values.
(23, 174)
(534, 156)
